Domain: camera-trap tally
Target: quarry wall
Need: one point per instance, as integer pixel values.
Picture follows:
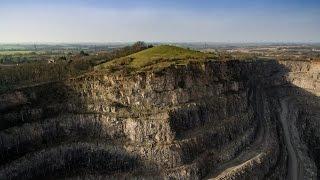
(219, 120)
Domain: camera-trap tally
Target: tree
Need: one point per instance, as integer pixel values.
(140, 45)
(82, 53)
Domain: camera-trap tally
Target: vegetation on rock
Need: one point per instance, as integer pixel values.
(37, 72)
(156, 58)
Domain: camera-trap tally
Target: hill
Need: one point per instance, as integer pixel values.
(155, 58)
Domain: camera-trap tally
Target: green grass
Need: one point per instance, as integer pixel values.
(164, 53)
(156, 58)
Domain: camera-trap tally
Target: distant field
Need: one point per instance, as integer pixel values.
(14, 52)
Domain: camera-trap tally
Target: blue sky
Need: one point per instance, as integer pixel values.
(155, 20)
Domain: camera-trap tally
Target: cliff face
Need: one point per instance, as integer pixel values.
(300, 96)
(201, 120)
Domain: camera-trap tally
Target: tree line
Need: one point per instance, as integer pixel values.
(14, 76)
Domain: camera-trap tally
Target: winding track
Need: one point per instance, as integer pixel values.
(300, 165)
(294, 172)
(254, 152)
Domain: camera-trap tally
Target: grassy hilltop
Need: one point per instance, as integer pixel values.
(155, 58)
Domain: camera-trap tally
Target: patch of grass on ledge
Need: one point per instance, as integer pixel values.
(155, 58)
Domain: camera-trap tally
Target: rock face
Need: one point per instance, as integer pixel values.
(220, 120)
(300, 97)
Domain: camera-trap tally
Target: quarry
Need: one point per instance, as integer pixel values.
(154, 115)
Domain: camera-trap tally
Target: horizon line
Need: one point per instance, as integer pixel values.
(165, 42)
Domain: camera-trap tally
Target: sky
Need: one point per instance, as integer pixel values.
(102, 21)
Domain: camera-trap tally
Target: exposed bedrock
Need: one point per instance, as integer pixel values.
(213, 120)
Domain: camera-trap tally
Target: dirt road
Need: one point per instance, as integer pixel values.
(300, 165)
(254, 152)
(293, 164)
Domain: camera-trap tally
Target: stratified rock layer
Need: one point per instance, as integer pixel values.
(202, 120)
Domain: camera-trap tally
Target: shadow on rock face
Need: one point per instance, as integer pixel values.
(211, 120)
